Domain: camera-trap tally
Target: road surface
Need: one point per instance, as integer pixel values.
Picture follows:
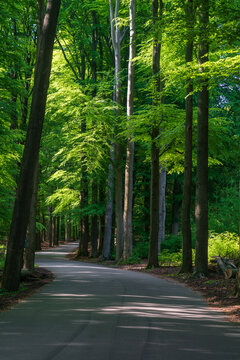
(92, 312)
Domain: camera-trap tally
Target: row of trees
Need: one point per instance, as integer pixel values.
(127, 83)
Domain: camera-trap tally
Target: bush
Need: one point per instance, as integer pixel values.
(2, 256)
(225, 244)
(167, 258)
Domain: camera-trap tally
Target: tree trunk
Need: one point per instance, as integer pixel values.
(176, 205)
(94, 235)
(201, 209)
(187, 184)
(128, 198)
(162, 206)
(21, 212)
(31, 243)
(109, 209)
(50, 228)
(116, 42)
(154, 196)
(101, 218)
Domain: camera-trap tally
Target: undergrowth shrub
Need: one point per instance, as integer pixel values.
(168, 258)
(2, 255)
(225, 244)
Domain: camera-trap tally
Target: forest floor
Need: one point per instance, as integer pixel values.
(216, 290)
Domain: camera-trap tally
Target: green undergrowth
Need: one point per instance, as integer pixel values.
(2, 255)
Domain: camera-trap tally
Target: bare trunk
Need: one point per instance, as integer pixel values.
(162, 206)
(21, 212)
(128, 198)
(176, 205)
(94, 234)
(201, 209)
(31, 243)
(109, 209)
(116, 42)
(50, 228)
(154, 196)
(187, 185)
(101, 217)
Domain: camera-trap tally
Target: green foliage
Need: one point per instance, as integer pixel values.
(140, 249)
(173, 243)
(168, 258)
(2, 255)
(225, 244)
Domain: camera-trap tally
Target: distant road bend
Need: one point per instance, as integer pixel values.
(92, 312)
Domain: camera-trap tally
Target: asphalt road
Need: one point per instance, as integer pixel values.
(92, 312)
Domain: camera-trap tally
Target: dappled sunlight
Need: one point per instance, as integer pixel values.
(151, 327)
(71, 295)
(163, 311)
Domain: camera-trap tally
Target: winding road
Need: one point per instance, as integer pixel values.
(91, 312)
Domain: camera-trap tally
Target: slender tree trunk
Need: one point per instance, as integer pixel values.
(57, 230)
(43, 231)
(128, 198)
(21, 212)
(201, 209)
(154, 196)
(94, 235)
(176, 205)
(101, 217)
(162, 205)
(50, 228)
(116, 42)
(66, 229)
(31, 246)
(187, 184)
(109, 209)
(146, 205)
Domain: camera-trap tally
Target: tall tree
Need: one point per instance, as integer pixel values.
(128, 196)
(154, 197)
(201, 210)
(116, 37)
(12, 269)
(187, 185)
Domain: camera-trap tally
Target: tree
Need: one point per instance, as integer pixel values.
(154, 198)
(12, 269)
(128, 196)
(201, 209)
(187, 185)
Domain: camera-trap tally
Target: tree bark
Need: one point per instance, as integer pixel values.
(116, 42)
(101, 217)
(176, 205)
(94, 235)
(201, 209)
(11, 276)
(128, 197)
(31, 245)
(162, 205)
(109, 209)
(154, 196)
(187, 184)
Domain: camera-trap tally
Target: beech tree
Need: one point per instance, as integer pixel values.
(21, 212)
(187, 186)
(201, 209)
(154, 197)
(128, 195)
